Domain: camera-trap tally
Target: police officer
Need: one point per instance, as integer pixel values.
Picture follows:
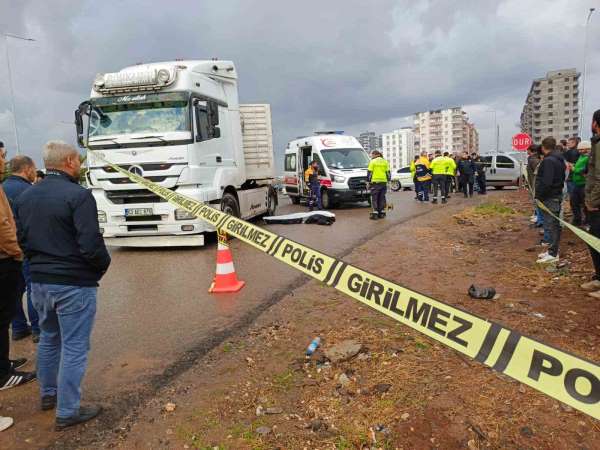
(311, 178)
(378, 175)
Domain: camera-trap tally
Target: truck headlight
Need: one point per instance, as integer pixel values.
(338, 178)
(163, 76)
(101, 217)
(182, 214)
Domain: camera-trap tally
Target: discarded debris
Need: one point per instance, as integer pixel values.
(313, 346)
(487, 293)
(170, 407)
(263, 431)
(343, 351)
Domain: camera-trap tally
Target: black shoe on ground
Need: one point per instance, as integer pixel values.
(444, 200)
(21, 334)
(35, 338)
(16, 363)
(48, 402)
(381, 215)
(374, 217)
(85, 413)
(16, 378)
(434, 201)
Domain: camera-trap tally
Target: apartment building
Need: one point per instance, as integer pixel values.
(552, 106)
(445, 130)
(472, 138)
(398, 147)
(369, 141)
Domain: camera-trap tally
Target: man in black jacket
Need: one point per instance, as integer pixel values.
(549, 184)
(58, 230)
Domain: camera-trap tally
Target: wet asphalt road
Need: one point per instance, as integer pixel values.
(154, 304)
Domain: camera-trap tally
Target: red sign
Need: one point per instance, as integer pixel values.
(521, 141)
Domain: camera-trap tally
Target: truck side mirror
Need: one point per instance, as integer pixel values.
(201, 122)
(79, 128)
(216, 132)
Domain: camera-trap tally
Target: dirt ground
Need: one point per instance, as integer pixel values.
(402, 390)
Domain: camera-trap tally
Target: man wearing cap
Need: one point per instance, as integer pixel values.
(378, 175)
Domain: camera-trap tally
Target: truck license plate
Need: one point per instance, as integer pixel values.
(131, 212)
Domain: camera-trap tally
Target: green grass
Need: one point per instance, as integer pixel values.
(284, 380)
(492, 208)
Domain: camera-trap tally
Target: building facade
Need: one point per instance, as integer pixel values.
(445, 130)
(398, 147)
(369, 141)
(552, 106)
(472, 137)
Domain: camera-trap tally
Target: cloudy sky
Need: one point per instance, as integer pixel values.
(328, 64)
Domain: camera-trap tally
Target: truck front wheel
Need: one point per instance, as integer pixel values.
(230, 205)
(271, 202)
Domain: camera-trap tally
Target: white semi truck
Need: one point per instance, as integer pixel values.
(179, 124)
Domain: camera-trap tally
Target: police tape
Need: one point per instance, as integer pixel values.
(586, 237)
(570, 379)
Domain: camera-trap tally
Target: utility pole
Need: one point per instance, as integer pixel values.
(585, 49)
(10, 85)
(496, 127)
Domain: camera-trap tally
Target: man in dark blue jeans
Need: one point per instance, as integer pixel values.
(23, 174)
(58, 230)
(549, 184)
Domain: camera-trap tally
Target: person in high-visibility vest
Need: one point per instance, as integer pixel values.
(422, 177)
(311, 178)
(378, 175)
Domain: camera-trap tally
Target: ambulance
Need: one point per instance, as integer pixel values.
(342, 168)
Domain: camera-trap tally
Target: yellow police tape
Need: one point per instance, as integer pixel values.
(559, 374)
(586, 237)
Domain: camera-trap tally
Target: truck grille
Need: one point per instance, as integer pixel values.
(145, 167)
(130, 196)
(358, 183)
(158, 179)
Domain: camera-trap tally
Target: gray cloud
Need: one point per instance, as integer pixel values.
(338, 64)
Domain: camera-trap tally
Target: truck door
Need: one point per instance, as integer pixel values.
(305, 160)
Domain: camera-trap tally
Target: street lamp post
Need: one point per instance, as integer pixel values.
(10, 84)
(496, 131)
(585, 49)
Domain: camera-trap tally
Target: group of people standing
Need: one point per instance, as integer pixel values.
(555, 171)
(50, 246)
(443, 174)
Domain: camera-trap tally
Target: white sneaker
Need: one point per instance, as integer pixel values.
(533, 219)
(593, 285)
(5, 422)
(541, 255)
(547, 259)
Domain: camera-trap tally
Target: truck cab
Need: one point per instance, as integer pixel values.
(342, 168)
(180, 125)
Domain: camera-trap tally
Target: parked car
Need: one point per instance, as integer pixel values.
(502, 170)
(402, 179)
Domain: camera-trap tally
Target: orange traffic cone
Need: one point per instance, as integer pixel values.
(225, 278)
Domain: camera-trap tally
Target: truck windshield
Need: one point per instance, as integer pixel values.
(345, 158)
(129, 118)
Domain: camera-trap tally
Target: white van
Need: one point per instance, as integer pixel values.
(502, 170)
(342, 168)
